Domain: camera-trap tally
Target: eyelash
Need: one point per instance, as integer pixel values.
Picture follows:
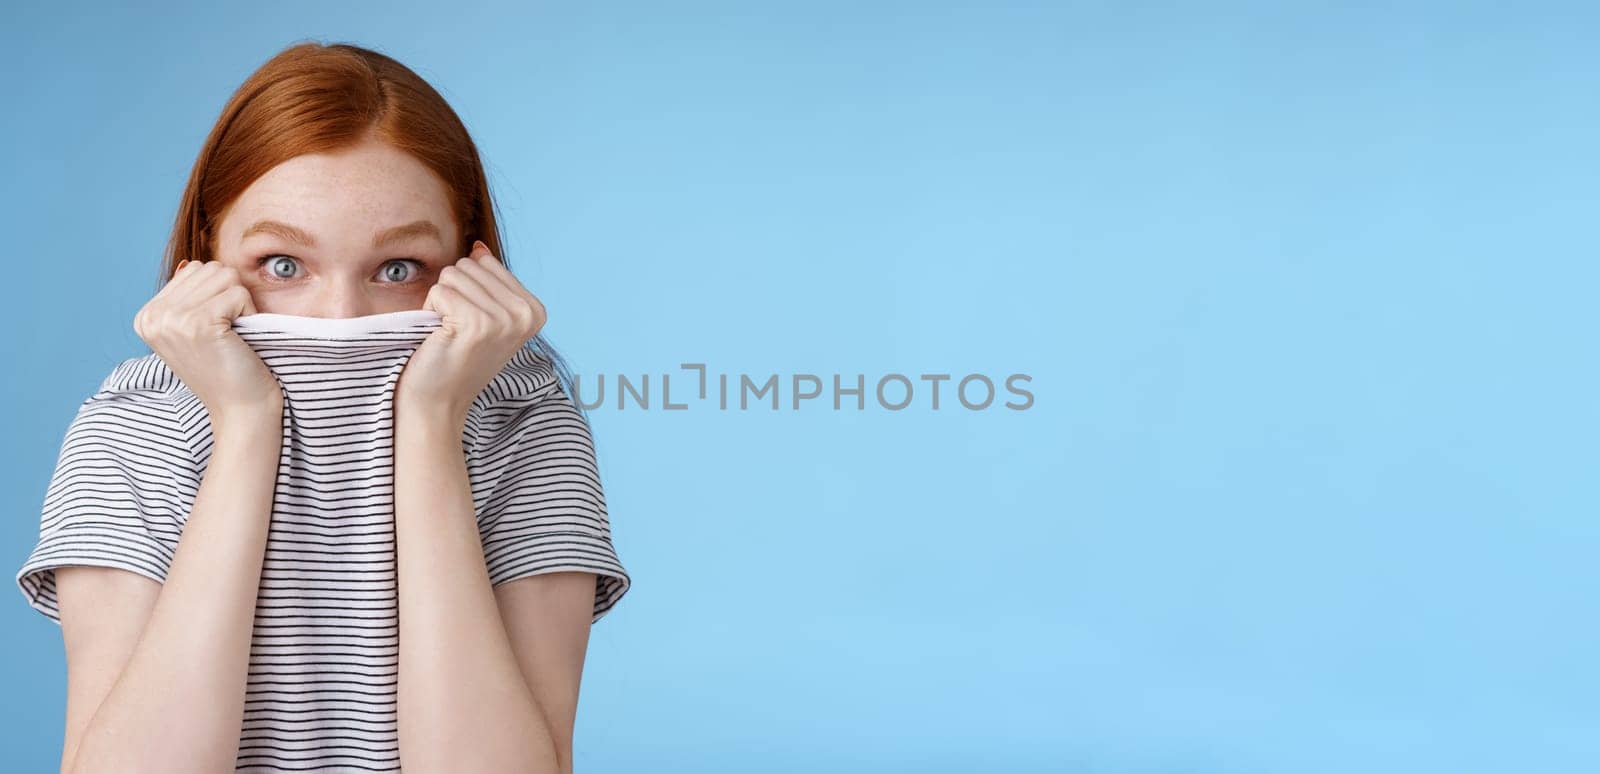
(261, 263)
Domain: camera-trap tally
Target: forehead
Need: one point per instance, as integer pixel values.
(370, 182)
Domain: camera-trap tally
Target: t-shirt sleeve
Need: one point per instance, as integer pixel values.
(113, 500)
(544, 510)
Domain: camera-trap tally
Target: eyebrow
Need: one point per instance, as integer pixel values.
(414, 229)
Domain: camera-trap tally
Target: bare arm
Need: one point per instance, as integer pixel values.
(464, 704)
(156, 672)
(548, 618)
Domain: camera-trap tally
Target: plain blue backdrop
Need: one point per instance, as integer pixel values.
(1306, 294)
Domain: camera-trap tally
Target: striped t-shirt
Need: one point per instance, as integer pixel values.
(324, 653)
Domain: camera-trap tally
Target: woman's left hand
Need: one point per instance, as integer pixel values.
(487, 315)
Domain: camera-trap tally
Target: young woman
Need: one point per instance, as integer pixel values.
(336, 185)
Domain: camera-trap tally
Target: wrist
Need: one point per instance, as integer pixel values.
(248, 423)
(428, 413)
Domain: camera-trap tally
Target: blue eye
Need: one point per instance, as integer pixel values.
(284, 268)
(390, 274)
(283, 264)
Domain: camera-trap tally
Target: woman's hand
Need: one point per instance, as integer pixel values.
(487, 315)
(189, 323)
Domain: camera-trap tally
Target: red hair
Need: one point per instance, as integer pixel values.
(322, 98)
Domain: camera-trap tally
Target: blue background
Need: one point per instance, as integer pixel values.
(1306, 294)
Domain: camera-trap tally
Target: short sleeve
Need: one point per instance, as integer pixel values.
(113, 500)
(544, 510)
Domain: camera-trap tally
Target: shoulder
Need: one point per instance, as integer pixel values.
(528, 376)
(526, 389)
(140, 395)
(140, 378)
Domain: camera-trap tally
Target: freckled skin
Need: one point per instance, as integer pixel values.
(342, 200)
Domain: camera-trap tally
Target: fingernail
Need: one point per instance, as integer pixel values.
(477, 244)
(183, 263)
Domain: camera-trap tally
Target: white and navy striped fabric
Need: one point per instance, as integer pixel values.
(320, 694)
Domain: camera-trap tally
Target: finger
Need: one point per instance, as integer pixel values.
(218, 309)
(459, 277)
(493, 265)
(178, 297)
(185, 290)
(209, 281)
(232, 302)
(216, 279)
(446, 302)
(503, 297)
(182, 275)
(498, 269)
(480, 250)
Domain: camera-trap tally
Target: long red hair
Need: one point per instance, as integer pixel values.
(320, 98)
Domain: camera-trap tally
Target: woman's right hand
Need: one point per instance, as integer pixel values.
(189, 323)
